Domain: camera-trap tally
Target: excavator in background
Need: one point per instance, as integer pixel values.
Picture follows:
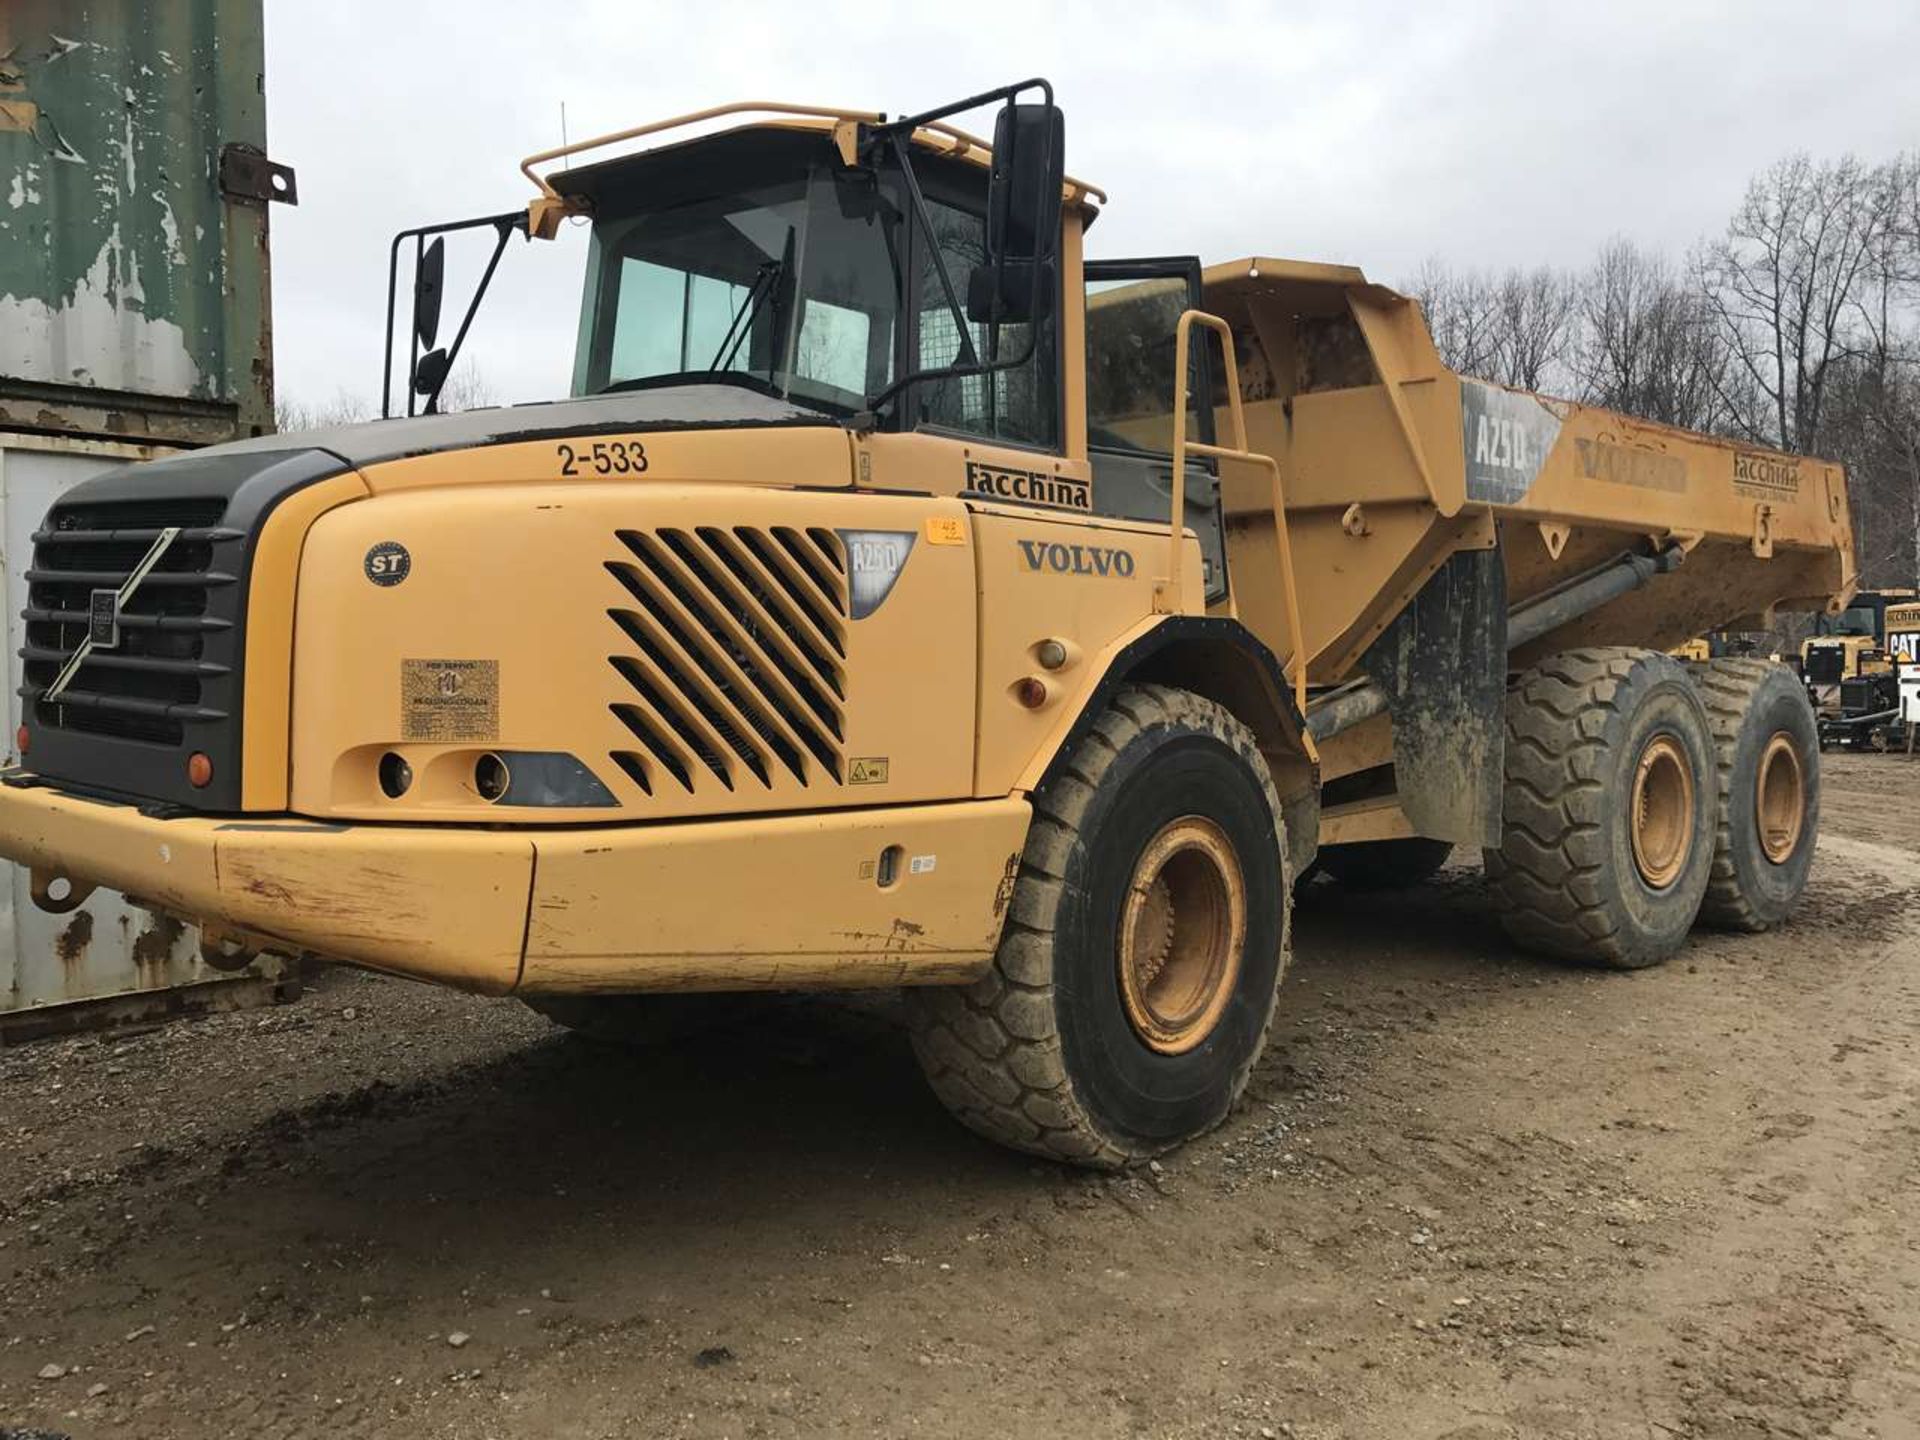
(1851, 665)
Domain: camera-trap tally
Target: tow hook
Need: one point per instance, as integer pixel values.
(56, 893)
(224, 950)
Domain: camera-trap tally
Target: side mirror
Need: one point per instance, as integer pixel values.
(431, 373)
(1023, 216)
(429, 280)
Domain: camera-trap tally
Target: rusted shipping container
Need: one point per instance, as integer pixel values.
(134, 321)
(134, 192)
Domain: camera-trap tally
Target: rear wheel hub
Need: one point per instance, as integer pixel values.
(1780, 798)
(1662, 813)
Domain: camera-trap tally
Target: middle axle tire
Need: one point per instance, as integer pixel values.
(1135, 980)
(1607, 816)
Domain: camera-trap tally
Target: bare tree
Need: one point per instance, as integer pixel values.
(1648, 345)
(1514, 328)
(466, 389)
(1459, 307)
(345, 408)
(1534, 325)
(1784, 286)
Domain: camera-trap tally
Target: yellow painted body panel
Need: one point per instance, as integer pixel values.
(787, 901)
(517, 576)
(446, 904)
(1343, 386)
(270, 602)
(1051, 576)
(607, 907)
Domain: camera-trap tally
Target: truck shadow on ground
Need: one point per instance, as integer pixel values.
(811, 1098)
(781, 1135)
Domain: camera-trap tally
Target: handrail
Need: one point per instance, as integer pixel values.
(1169, 595)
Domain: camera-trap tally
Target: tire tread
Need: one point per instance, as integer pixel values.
(1014, 1087)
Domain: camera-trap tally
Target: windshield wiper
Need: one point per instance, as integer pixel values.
(745, 379)
(771, 276)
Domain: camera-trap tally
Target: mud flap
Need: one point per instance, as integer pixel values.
(1443, 664)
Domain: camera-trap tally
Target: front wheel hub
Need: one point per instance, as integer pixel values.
(1183, 928)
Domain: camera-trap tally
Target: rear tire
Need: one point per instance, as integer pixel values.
(1135, 980)
(1767, 800)
(1385, 864)
(1607, 817)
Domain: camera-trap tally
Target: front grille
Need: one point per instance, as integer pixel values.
(157, 679)
(734, 657)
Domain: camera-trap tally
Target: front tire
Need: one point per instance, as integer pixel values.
(1135, 982)
(1607, 814)
(1767, 800)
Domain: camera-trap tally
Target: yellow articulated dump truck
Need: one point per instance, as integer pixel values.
(901, 598)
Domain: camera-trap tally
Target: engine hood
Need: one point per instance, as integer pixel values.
(678, 407)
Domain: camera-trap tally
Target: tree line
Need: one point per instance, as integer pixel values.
(1797, 328)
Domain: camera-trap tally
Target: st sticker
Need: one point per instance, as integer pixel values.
(388, 563)
(875, 559)
(450, 700)
(867, 770)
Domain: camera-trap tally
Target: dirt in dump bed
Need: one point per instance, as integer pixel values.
(1471, 1195)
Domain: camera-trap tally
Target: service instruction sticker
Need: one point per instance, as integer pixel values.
(450, 700)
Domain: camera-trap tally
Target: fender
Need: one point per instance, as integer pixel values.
(1220, 658)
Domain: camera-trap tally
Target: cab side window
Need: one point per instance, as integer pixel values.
(1133, 318)
(1130, 364)
(1019, 405)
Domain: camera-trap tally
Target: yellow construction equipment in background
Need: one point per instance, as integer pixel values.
(902, 598)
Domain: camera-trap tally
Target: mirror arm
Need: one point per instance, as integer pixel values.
(386, 364)
(925, 217)
(505, 227)
(413, 331)
(512, 220)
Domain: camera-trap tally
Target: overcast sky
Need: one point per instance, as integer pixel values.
(1374, 134)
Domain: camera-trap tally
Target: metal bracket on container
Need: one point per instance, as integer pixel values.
(247, 174)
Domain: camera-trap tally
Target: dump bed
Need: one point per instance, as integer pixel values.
(1392, 464)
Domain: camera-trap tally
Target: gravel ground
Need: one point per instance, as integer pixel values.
(1470, 1196)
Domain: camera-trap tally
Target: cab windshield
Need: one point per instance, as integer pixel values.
(1854, 620)
(759, 260)
(788, 286)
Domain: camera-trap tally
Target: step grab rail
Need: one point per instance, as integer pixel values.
(1168, 596)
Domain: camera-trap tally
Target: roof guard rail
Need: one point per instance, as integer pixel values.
(546, 210)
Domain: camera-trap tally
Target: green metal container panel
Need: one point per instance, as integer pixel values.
(133, 219)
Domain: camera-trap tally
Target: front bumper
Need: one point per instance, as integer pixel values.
(448, 905)
(787, 901)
